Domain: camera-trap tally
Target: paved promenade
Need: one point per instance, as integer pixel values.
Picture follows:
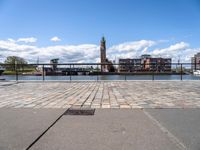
(32, 115)
(119, 94)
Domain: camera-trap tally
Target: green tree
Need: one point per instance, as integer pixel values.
(13, 61)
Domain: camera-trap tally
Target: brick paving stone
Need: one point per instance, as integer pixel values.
(102, 94)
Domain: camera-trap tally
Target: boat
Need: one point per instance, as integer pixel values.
(196, 72)
(1, 70)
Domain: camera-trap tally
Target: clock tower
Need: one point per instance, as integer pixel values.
(103, 54)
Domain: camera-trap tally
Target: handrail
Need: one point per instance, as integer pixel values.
(119, 69)
(102, 64)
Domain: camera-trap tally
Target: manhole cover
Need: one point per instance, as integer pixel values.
(80, 111)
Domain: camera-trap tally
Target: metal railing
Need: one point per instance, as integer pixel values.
(93, 71)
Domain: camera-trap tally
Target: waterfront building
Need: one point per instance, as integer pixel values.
(196, 62)
(158, 64)
(54, 63)
(129, 65)
(145, 63)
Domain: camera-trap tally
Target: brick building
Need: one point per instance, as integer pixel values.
(145, 63)
(196, 62)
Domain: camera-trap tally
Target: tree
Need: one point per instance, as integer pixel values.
(14, 61)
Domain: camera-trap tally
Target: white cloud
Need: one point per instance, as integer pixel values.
(11, 40)
(130, 49)
(132, 46)
(66, 53)
(27, 40)
(24, 40)
(173, 49)
(55, 39)
(90, 52)
(176, 51)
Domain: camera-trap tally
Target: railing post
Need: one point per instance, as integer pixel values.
(43, 72)
(97, 73)
(153, 74)
(153, 77)
(70, 76)
(181, 72)
(16, 71)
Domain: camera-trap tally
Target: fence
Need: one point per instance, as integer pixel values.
(100, 71)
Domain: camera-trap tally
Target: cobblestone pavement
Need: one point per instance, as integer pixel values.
(108, 94)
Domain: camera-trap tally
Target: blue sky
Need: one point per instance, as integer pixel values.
(84, 22)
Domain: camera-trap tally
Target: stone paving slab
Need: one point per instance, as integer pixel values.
(108, 129)
(20, 127)
(183, 123)
(107, 94)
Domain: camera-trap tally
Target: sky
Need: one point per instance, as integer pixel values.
(71, 30)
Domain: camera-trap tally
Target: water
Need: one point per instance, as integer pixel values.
(107, 77)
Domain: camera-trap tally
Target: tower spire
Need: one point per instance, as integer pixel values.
(103, 39)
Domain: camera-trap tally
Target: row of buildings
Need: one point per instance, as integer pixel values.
(145, 63)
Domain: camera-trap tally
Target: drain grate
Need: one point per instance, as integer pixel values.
(4, 85)
(80, 111)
